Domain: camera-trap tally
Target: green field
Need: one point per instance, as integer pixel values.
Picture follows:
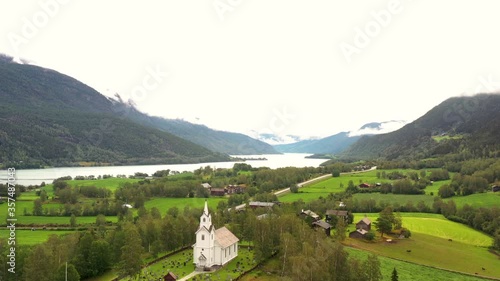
(395, 199)
(332, 185)
(410, 271)
(437, 225)
(109, 183)
(430, 245)
(163, 204)
(28, 237)
(487, 199)
(434, 188)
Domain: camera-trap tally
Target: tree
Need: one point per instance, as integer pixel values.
(336, 173)
(100, 257)
(43, 195)
(37, 207)
(294, 188)
(72, 273)
(496, 241)
(72, 220)
(340, 230)
(446, 191)
(385, 221)
(372, 268)
(394, 275)
(130, 259)
(40, 263)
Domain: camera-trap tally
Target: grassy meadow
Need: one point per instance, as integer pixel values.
(435, 242)
(28, 237)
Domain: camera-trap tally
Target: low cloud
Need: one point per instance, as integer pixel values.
(379, 128)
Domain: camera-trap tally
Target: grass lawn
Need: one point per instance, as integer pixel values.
(436, 252)
(434, 188)
(411, 271)
(438, 226)
(243, 262)
(487, 199)
(181, 264)
(392, 199)
(28, 237)
(109, 183)
(163, 204)
(332, 185)
(429, 245)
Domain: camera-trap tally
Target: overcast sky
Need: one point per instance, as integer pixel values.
(309, 68)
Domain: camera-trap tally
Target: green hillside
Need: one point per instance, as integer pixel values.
(47, 118)
(473, 124)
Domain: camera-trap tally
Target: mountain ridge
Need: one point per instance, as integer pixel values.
(473, 121)
(51, 119)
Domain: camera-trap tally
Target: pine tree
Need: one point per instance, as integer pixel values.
(394, 276)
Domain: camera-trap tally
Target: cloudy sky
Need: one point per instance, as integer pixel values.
(308, 68)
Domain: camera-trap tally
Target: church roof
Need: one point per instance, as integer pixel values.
(224, 237)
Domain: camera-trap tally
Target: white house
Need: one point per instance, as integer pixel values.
(214, 247)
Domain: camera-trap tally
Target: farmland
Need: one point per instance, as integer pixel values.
(436, 242)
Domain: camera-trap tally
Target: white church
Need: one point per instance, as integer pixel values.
(214, 247)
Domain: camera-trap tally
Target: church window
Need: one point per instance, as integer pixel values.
(202, 237)
(203, 219)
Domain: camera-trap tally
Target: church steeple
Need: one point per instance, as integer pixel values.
(206, 218)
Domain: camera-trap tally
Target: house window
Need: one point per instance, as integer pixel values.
(229, 250)
(235, 248)
(202, 237)
(203, 219)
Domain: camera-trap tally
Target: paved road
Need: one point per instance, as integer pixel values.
(285, 190)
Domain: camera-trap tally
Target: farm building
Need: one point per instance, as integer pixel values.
(324, 225)
(337, 213)
(206, 185)
(217, 191)
(170, 277)
(309, 213)
(257, 204)
(365, 224)
(235, 189)
(358, 233)
(213, 247)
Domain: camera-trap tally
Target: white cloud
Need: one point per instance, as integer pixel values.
(380, 128)
(234, 74)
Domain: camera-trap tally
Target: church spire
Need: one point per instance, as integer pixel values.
(205, 210)
(206, 218)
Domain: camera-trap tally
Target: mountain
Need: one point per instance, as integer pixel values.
(467, 125)
(339, 142)
(274, 139)
(48, 118)
(219, 141)
(330, 145)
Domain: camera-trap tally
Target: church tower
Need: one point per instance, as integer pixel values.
(203, 250)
